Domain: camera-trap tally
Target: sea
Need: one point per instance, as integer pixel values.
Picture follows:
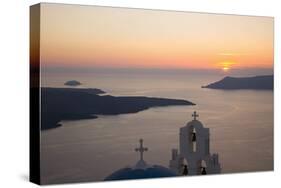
(240, 123)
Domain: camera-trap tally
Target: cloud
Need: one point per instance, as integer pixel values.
(233, 54)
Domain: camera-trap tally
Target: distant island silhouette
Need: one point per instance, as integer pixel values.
(77, 103)
(256, 82)
(72, 83)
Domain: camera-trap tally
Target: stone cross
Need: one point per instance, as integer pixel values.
(195, 115)
(141, 149)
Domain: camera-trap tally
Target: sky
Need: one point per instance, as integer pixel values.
(104, 37)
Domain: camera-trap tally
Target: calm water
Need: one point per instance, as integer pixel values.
(240, 122)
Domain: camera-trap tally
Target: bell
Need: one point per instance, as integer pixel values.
(185, 170)
(193, 137)
(203, 172)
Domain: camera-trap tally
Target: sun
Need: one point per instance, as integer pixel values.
(226, 65)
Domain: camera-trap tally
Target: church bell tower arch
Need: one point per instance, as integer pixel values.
(194, 147)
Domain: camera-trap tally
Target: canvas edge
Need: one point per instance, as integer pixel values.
(34, 95)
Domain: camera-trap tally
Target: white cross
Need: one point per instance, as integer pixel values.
(195, 115)
(141, 149)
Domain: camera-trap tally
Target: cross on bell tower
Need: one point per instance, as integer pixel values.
(195, 115)
(141, 149)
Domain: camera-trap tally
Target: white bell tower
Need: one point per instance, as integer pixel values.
(194, 156)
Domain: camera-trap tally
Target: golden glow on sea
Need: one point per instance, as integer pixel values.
(88, 36)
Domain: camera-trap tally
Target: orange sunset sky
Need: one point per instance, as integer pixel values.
(90, 36)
